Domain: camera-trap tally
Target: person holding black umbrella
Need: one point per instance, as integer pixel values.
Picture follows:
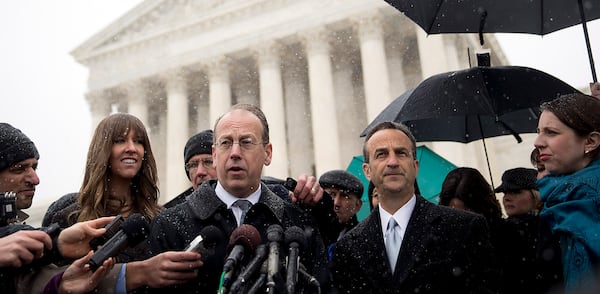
(569, 140)
(595, 89)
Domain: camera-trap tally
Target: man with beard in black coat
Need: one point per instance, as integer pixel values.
(241, 149)
(407, 244)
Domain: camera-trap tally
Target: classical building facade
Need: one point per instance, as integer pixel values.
(321, 70)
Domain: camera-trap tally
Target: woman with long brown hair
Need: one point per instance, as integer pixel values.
(120, 175)
(121, 179)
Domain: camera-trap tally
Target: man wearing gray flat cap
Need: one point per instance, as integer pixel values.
(346, 191)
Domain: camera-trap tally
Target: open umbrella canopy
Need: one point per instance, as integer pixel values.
(432, 171)
(538, 17)
(476, 103)
(493, 16)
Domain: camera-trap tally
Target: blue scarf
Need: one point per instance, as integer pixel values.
(572, 202)
(572, 210)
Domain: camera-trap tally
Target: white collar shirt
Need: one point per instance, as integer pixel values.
(402, 216)
(229, 199)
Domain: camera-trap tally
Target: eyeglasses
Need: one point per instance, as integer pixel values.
(207, 163)
(245, 144)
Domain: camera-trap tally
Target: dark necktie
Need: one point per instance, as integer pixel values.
(244, 206)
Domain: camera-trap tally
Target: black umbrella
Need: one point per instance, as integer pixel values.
(538, 17)
(476, 103)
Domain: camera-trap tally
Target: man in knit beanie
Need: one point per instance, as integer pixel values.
(197, 156)
(18, 164)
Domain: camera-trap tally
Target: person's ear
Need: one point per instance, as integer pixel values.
(592, 142)
(268, 153)
(367, 171)
(358, 204)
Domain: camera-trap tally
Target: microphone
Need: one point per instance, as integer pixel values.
(294, 237)
(255, 264)
(206, 242)
(132, 231)
(311, 280)
(262, 278)
(243, 238)
(275, 236)
(111, 229)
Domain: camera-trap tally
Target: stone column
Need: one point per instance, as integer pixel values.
(100, 106)
(396, 46)
(219, 88)
(137, 102)
(431, 53)
(374, 64)
(177, 131)
(202, 113)
(323, 108)
(271, 103)
(350, 104)
(297, 108)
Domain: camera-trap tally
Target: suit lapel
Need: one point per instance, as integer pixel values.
(375, 257)
(415, 239)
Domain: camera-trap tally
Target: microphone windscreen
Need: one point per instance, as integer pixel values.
(245, 235)
(136, 229)
(211, 235)
(295, 234)
(275, 233)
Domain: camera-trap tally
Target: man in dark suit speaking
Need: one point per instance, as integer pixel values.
(407, 244)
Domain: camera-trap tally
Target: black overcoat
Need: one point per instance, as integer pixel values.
(444, 250)
(176, 227)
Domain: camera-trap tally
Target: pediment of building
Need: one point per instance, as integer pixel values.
(154, 19)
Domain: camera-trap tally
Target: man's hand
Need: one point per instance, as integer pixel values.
(22, 247)
(165, 269)
(74, 241)
(595, 89)
(79, 278)
(308, 190)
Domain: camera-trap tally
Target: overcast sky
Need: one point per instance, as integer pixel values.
(43, 88)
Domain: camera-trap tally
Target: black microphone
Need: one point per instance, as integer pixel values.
(311, 280)
(132, 231)
(206, 242)
(243, 238)
(259, 257)
(294, 237)
(275, 236)
(262, 278)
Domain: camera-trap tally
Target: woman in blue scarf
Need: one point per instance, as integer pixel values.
(568, 141)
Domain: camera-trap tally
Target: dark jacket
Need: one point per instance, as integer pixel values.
(9, 275)
(62, 214)
(57, 206)
(176, 227)
(444, 250)
(179, 198)
(535, 263)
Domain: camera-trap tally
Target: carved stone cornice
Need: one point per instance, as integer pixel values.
(173, 19)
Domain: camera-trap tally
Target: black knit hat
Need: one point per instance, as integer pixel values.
(343, 180)
(200, 143)
(517, 179)
(14, 146)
